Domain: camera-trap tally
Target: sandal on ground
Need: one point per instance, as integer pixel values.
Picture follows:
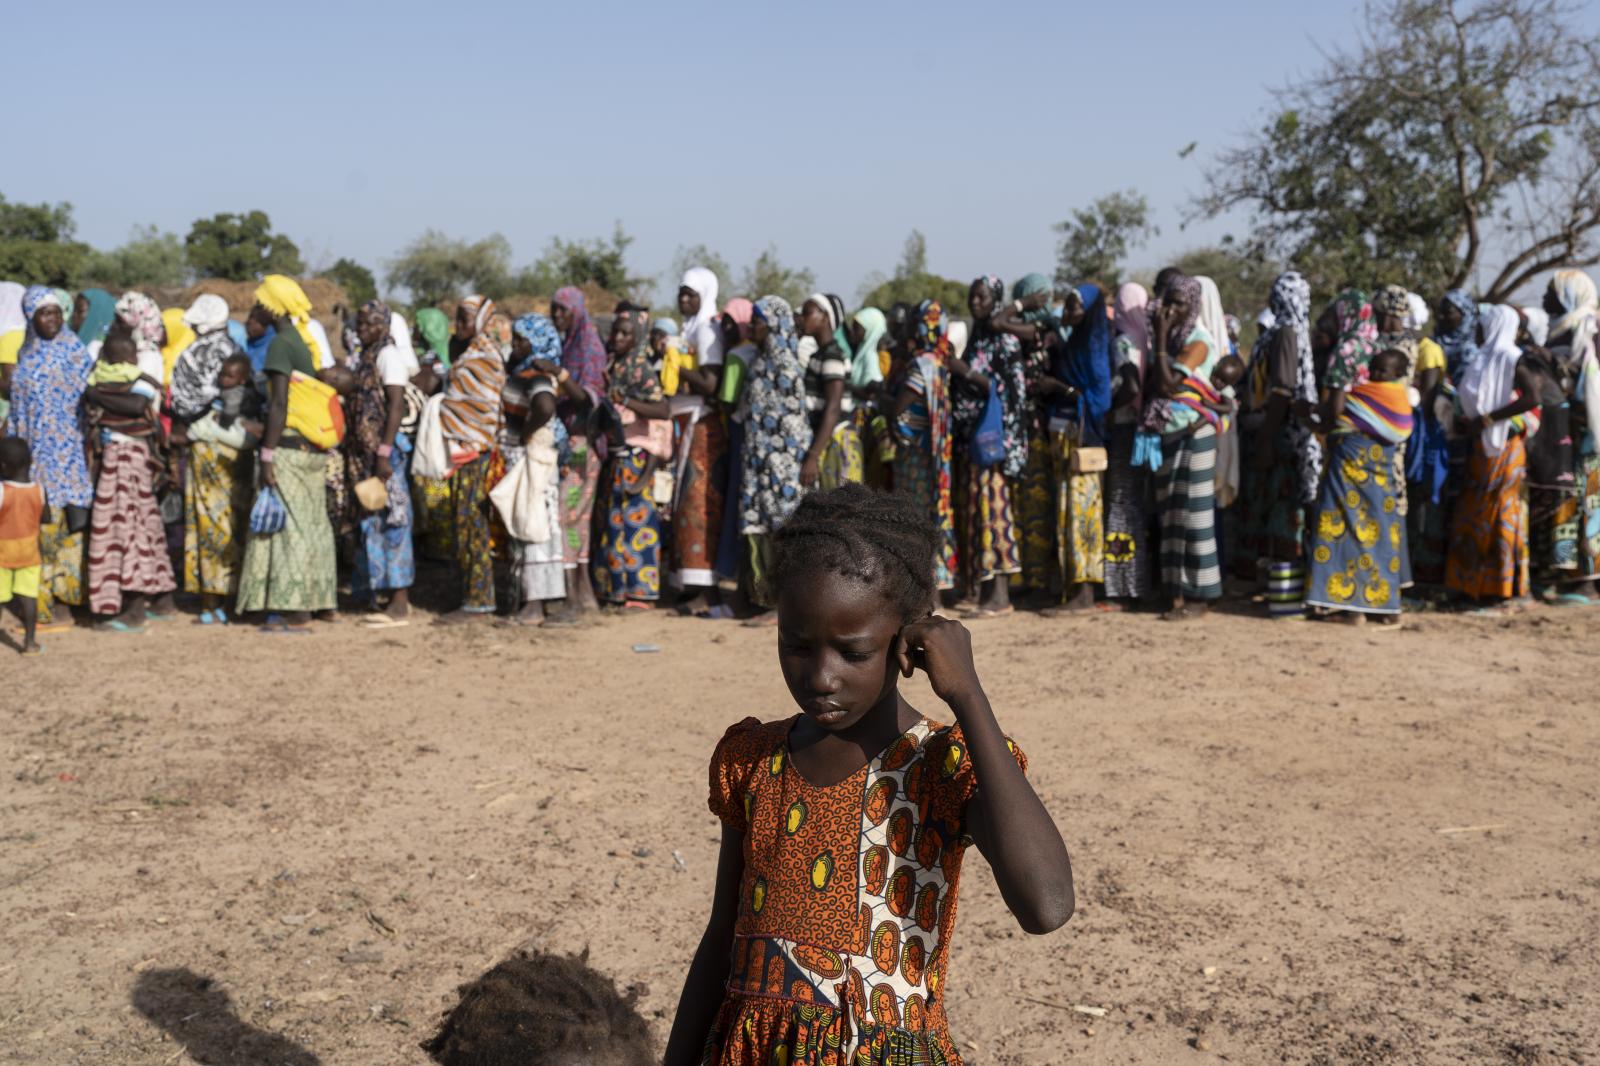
(992, 612)
(117, 625)
(380, 620)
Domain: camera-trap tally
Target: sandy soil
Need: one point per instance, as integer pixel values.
(222, 847)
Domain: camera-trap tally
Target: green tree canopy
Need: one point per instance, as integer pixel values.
(151, 258)
(912, 282)
(434, 267)
(597, 261)
(768, 276)
(1096, 239)
(36, 245)
(1455, 130)
(356, 280)
(240, 248)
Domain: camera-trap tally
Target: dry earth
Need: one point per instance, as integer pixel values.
(223, 848)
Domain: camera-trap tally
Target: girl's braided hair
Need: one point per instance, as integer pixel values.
(879, 538)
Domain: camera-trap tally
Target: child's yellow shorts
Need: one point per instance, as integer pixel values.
(20, 582)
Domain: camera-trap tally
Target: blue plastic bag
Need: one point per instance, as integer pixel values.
(268, 515)
(989, 439)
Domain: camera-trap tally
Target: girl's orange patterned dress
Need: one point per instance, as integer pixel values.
(842, 943)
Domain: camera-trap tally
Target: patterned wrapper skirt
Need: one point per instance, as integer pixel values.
(383, 555)
(841, 462)
(916, 476)
(989, 530)
(1565, 525)
(295, 568)
(433, 517)
(1186, 496)
(1358, 547)
(1272, 516)
(1489, 537)
(216, 517)
(469, 487)
(580, 476)
(1128, 569)
(1079, 515)
(697, 513)
(61, 577)
(1034, 504)
(629, 563)
(127, 540)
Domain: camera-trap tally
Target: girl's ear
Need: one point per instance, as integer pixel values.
(901, 654)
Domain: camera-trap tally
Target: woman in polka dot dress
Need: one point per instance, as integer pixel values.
(844, 826)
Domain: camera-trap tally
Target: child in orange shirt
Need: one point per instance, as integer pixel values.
(22, 512)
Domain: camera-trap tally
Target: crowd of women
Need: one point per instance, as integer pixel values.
(1081, 448)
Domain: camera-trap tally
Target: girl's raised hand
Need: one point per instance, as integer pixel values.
(942, 647)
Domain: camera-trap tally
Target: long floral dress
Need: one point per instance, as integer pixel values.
(841, 948)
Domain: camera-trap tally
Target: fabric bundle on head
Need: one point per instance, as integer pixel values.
(1460, 344)
(542, 336)
(434, 325)
(1417, 313)
(1215, 322)
(283, 296)
(207, 314)
(101, 313)
(1489, 382)
(740, 310)
(864, 367)
(1538, 324)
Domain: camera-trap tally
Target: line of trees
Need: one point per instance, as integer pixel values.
(1455, 144)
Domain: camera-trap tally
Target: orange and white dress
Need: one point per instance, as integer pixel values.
(841, 948)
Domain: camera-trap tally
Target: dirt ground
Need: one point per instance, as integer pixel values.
(220, 847)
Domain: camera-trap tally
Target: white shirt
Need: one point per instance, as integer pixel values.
(705, 341)
(396, 366)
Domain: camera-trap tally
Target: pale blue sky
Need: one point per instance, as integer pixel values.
(828, 129)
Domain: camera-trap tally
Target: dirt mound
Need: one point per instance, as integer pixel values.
(537, 1008)
(324, 295)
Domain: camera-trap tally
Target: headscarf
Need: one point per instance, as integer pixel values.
(97, 319)
(1576, 291)
(283, 296)
(207, 314)
(1356, 345)
(864, 368)
(777, 431)
(257, 349)
(1489, 382)
(141, 315)
(1417, 313)
(194, 373)
(741, 311)
(65, 296)
(700, 332)
(667, 327)
(45, 394)
(958, 333)
(1393, 300)
(11, 314)
(998, 356)
(1132, 315)
(179, 337)
(1460, 344)
(1028, 285)
(1084, 362)
(582, 354)
(930, 334)
(822, 300)
(1538, 324)
(470, 411)
(434, 325)
(631, 375)
(1193, 296)
(1290, 307)
(541, 333)
(1215, 321)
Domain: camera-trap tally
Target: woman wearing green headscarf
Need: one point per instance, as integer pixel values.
(433, 515)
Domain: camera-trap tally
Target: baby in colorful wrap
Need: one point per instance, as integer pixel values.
(1380, 407)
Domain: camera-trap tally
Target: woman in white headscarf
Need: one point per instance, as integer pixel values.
(1566, 517)
(218, 488)
(1488, 557)
(702, 449)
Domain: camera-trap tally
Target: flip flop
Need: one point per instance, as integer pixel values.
(152, 616)
(383, 621)
(283, 629)
(55, 627)
(32, 653)
(117, 625)
(1573, 599)
(638, 605)
(514, 622)
(992, 612)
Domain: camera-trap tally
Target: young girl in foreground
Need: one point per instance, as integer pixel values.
(844, 826)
